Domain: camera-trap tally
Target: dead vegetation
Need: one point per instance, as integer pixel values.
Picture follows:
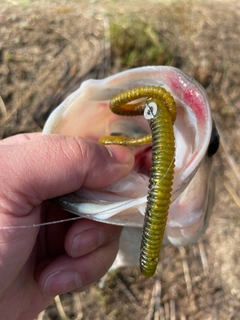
(45, 54)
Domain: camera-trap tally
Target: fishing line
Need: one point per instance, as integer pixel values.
(39, 224)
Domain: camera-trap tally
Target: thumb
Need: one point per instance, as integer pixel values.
(53, 165)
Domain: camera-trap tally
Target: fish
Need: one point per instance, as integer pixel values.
(124, 202)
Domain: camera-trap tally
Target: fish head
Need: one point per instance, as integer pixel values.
(86, 113)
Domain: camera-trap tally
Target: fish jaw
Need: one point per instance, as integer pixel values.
(187, 217)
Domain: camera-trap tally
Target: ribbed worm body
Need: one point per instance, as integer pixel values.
(160, 110)
(160, 187)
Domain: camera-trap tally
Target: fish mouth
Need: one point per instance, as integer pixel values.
(143, 160)
(192, 130)
(127, 197)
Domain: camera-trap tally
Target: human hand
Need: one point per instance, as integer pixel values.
(38, 263)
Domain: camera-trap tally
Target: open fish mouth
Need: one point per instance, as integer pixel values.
(196, 140)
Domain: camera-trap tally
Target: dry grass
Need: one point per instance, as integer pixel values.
(202, 38)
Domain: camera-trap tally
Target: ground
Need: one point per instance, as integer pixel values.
(47, 50)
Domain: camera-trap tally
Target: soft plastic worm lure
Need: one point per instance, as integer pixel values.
(159, 108)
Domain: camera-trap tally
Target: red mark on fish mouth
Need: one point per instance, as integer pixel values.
(195, 102)
(190, 94)
(143, 160)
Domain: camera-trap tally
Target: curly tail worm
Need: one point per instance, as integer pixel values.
(160, 110)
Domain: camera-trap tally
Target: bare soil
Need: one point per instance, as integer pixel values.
(48, 49)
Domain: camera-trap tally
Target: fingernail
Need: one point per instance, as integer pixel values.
(62, 282)
(122, 154)
(85, 242)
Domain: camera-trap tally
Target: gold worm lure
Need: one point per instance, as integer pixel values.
(159, 109)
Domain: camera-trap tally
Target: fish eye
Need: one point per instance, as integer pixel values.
(214, 142)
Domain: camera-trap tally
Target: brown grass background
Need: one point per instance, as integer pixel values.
(47, 48)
